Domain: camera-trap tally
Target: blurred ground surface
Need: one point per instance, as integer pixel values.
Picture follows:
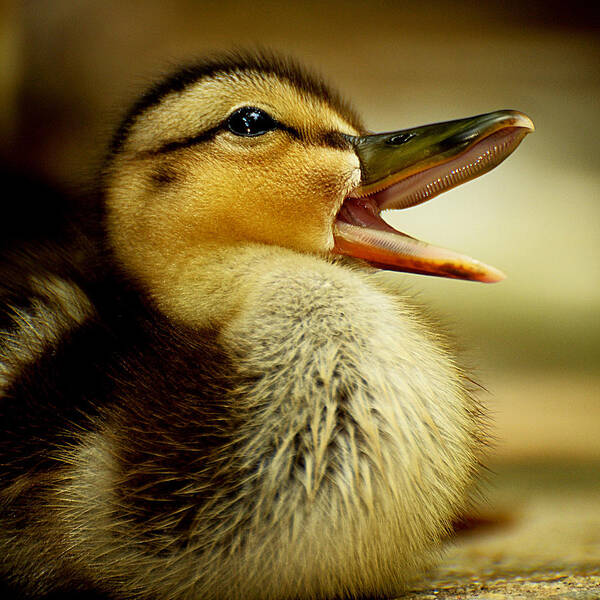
(539, 530)
(541, 538)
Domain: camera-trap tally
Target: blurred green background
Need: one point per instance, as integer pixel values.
(69, 68)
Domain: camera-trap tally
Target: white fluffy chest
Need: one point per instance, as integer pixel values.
(360, 435)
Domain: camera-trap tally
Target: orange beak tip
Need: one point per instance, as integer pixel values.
(493, 275)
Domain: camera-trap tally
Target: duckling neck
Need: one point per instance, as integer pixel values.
(216, 284)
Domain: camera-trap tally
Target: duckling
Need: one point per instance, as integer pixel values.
(213, 394)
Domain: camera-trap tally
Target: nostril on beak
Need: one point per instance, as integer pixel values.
(399, 139)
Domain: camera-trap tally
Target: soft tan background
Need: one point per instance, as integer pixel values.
(68, 68)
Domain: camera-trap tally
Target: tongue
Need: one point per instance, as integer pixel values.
(360, 232)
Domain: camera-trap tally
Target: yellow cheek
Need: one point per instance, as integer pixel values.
(279, 193)
(288, 201)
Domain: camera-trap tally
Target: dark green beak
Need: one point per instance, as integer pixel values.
(403, 168)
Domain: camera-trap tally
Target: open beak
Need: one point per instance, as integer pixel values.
(404, 168)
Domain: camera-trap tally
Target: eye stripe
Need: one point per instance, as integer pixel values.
(334, 139)
(204, 136)
(327, 139)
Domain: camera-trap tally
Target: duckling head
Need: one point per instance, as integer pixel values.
(253, 151)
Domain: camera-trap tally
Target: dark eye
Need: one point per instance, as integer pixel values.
(249, 122)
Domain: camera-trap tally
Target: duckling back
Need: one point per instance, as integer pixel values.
(73, 352)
